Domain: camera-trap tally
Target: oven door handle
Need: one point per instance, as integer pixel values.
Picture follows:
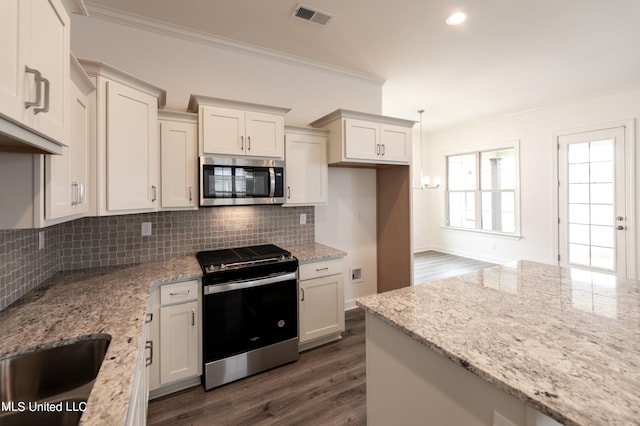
(238, 285)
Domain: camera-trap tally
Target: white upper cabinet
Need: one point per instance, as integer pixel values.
(360, 138)
(178, 159)
(34, 73)
(127, 151)
(306, 166)
(67, 175)
(239, 128)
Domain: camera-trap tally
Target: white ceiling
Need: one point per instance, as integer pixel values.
(511, 56)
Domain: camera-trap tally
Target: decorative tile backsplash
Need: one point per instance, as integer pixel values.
(116, 240)
(22, 265)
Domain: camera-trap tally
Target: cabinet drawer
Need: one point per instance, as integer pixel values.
(309, 271)
(179, 292)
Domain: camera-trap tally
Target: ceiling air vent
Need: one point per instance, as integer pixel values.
(312, 14)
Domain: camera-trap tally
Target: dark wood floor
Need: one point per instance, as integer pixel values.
(432, 265)
(326, 386)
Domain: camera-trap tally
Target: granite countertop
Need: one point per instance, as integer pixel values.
(566, 342)
(110, 300)
(315, 252)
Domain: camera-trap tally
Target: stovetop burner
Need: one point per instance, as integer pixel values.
(212, 261)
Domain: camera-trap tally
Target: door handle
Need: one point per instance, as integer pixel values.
(302, 291)
(149, 360)
(620, 228)
(38, 80)
(46, 98)
(193, 318)
(248, 143)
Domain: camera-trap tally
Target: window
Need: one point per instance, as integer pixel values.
(482, 190)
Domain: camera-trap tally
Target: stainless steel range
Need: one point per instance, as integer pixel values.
(250, 311)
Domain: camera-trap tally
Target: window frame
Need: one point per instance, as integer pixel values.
(478, 191)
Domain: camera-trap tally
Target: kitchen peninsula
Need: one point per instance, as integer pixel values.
(517, 342)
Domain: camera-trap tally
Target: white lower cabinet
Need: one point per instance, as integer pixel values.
(321, 302)
(175, 333)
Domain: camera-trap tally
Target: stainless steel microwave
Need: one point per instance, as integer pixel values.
(240, 181)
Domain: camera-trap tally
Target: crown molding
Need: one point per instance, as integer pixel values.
(180, 32)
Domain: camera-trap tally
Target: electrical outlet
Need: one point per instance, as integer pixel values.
(303, 218)
(41, 240)
(356, 274)
(145, 229)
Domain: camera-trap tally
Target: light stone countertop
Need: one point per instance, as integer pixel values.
(110, 300)
(316, 252)
(564, 341)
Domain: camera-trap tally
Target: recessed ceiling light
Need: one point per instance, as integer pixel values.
(457, 18)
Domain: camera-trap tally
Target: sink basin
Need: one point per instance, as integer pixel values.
(63, 374)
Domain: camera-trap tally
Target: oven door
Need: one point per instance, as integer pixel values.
(249, 326)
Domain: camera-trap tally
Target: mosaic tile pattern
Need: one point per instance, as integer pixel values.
(22, 265)
(117, 240)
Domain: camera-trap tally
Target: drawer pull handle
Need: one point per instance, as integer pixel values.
(326, 268)
(180, 293)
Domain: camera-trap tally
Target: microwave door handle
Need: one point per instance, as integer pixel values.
(272, 182)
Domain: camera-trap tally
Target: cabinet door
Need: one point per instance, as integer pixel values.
(362, 139)
(306, 169)
(66, 174)
(178, 164)
(11, 66)
(222, 130)
(48, 51)
(179, 328)
(321, 307)
(395, 143)
(131, 149)
(79, 137)
(265, 135)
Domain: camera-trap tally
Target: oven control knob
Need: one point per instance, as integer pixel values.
(281, 258)
(281, 323)
(223, 266)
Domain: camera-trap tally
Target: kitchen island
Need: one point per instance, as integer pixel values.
(523, 343)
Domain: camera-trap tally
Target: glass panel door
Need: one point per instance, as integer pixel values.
(591, 200)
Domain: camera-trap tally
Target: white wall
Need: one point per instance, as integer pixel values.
(184, 67)
(535, 130)
(348, 221)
